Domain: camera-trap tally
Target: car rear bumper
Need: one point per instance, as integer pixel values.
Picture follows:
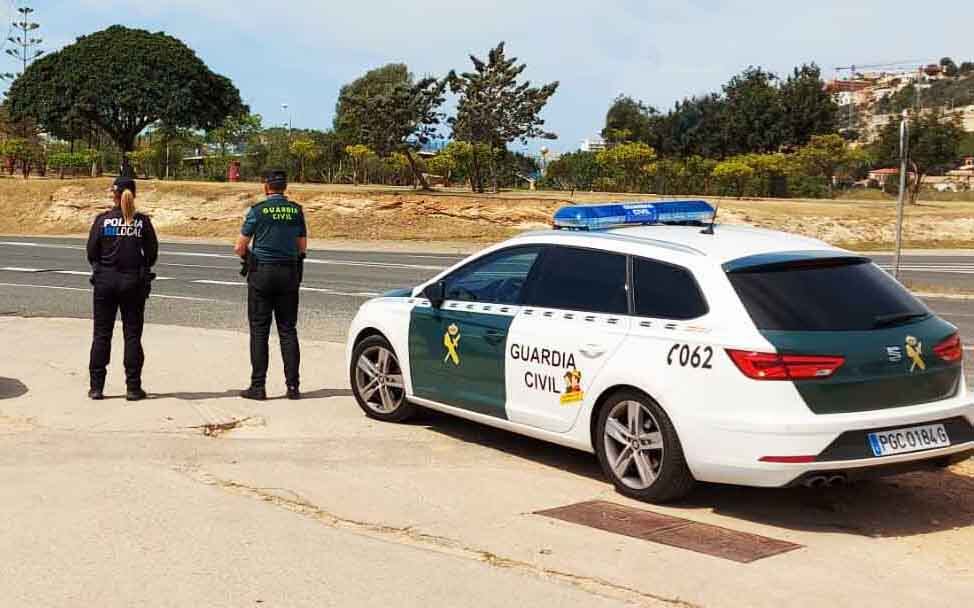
(837, 443)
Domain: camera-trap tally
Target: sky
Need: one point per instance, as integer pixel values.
(659, 51)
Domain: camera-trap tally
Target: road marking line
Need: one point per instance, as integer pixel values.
(197, 266)
(20, 269)
(212, 282)
(60, 288)
(360, 294)
(79, 273)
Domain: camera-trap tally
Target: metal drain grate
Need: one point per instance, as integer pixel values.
(711, 540)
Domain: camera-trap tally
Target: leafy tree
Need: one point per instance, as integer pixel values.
(495, 109)
(949, 67)
(442, 165)
(827, 155)
(359, 154)
(305, 150)
(695, 126)
(629, 120)
(379, 81)
(935, 140)
(398, 117)
(120, 81)
(966, 68)
(574, 171)
(753, 112)
(735, 174)
(143, 159)
(808, 109)
(625, 162)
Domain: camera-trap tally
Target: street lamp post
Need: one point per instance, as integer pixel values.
(901, 201)
(284, 108)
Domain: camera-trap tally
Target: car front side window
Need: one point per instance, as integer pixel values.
(497, 278)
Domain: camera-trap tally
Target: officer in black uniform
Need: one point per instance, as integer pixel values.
(122, 248)
(273, 242)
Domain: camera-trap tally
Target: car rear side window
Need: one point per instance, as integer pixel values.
(580, 279)
(825, 295)
(665, 291)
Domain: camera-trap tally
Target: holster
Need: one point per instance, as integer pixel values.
(247, 263)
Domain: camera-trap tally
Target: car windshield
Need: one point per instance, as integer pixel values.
(825, 295)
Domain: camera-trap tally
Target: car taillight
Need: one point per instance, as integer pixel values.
(950, 350)
(770, 366)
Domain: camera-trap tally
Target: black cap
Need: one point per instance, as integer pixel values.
(275, 177)
(123, 183)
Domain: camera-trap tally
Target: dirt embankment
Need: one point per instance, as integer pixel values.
(193, 209)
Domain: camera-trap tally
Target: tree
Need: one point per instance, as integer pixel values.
(825, 156)
(360, 155)
(949, 67)
(625, 163)
(734, 173)
(753, 112)
(120, 81)
(442, 165)
(808, 109)
(574, 171)
(935, 140)
(379, 81)
(398, 117)
(495, 109)
(966, 67)
(306, 150)
(629, 120)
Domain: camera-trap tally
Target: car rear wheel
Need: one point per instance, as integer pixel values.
(639, 450)
(377, 381)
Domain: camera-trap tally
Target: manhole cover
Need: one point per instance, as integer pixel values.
(672, 531)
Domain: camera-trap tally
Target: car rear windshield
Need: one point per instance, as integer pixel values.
(825, 295)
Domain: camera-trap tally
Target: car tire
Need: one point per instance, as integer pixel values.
(647, 464)
(377, 381)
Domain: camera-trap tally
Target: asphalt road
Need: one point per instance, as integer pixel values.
(199, 285)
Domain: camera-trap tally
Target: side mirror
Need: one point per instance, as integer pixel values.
(435, 293)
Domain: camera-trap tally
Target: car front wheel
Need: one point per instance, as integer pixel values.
(377, 381)
(639, 450)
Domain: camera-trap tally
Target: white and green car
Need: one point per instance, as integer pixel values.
(676, 351)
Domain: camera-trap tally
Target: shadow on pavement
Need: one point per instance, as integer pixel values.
(11, 388)
(323, 393)
(904, 505)
(548, 454)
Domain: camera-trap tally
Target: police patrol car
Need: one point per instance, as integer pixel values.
(676, 351)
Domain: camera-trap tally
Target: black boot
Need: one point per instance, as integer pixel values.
(135, 394)
(293, 393)
(254, 393)
(96, 394)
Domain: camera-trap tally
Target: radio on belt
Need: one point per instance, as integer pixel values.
(614, 215)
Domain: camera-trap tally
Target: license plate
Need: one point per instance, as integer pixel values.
(913, 439)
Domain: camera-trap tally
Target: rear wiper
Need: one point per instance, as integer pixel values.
(898, 318)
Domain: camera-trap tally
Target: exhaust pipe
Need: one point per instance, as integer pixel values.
(818, 481)
(837, 480)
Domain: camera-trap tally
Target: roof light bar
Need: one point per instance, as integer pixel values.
(612, 215)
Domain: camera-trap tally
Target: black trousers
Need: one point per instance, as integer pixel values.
(273, 291)
(114, 292)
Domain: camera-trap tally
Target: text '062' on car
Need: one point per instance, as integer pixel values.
(677, 351)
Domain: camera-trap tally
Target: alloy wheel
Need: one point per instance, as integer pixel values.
(378, 379)
(633, 444)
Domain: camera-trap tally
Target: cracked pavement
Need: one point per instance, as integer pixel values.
(195, 497)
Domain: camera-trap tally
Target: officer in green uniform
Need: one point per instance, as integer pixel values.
(273, 242)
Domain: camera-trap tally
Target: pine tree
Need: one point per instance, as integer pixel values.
(494, 109)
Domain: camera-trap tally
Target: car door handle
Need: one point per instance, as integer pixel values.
(593, 351)
(495, 337)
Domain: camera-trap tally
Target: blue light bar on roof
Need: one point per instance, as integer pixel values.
(613, 215)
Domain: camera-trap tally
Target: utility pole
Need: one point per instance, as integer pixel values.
(904, 158)
(25, 49)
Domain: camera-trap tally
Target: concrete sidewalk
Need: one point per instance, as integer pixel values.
(198, 498)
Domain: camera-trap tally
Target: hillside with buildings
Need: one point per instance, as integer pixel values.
(869, 98)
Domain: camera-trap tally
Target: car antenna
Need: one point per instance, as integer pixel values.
(713, 221)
